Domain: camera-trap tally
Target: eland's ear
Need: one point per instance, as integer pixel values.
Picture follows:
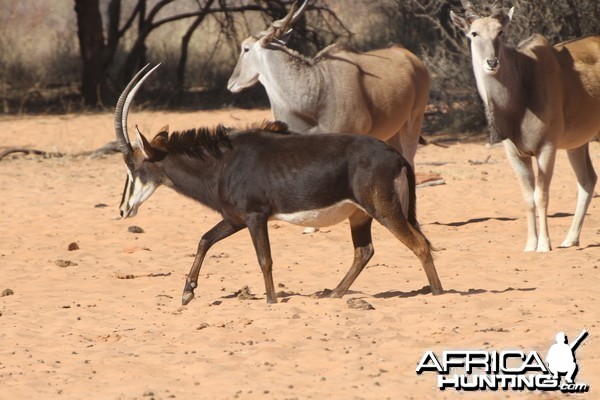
(460, 22)
(144, 145)
(285, 37)
(508, 17)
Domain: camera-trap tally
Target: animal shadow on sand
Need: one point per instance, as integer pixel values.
(503, 219)
(284, 295)
(473, 221)
(425, 290)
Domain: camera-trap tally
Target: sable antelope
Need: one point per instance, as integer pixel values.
(538, 98)
(265, 173)
(382, 93)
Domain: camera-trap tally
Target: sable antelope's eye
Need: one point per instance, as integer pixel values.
(500, 33)
(474, 34)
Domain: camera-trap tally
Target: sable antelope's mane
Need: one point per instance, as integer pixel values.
(202, 142)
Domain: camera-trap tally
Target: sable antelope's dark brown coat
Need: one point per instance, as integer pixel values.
(267, 173)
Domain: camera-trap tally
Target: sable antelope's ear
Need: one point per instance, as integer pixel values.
(161, 138)
(164, 130)
(144, 145)
(460, 22)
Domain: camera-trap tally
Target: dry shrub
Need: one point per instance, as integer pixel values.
(41, 52)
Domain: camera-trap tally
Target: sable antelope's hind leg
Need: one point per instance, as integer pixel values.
(360, 224)
(414, 239)
(586, 181)
(257, 225)
(220, 231)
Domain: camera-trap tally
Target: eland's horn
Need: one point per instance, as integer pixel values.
(122, 108)
(292, 16)
(471, 12)
(497, 7)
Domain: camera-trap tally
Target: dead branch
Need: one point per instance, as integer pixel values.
(26, 151)
(109, 148)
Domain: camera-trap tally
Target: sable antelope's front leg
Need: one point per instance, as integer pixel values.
(360, 225)
(220, 231)
(258, 227)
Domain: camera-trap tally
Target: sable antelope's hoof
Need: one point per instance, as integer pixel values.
(437, 291)
(187, 297)
(332, 294)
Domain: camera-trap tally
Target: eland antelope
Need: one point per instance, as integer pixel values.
(382, 93)
(266, 173)
(538, 98)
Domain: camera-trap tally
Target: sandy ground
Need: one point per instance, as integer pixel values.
(74, 328)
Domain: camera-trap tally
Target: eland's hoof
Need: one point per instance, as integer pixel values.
(569, 243)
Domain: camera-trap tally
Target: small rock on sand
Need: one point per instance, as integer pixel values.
(7, 292)
(65, 263)
(245, 294)
(135, 229)
(353, 302)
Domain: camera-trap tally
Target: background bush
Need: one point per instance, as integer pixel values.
(40, 66)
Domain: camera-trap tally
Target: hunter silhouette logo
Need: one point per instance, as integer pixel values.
(561, 356)
(508, 369)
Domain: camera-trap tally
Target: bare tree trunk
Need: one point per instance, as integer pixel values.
(91, 43)
(185, 43)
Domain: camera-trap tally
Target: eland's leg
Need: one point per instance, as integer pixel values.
(409, 140)
(545, 162)
(220, 231)
(586, 181)
(258, 227)
(360, 225)
(523, 169)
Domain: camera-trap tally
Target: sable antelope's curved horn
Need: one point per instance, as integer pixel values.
(122, 108)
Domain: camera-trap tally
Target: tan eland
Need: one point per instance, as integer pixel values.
(538, 98)
(382, 93)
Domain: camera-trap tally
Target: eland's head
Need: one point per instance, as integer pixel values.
(247, 69)
(485, 34)
(142, 175)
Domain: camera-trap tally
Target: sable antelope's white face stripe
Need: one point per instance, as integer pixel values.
(134, 194)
